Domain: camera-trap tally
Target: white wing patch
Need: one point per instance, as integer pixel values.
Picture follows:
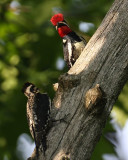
(70, 52)
(79, 46)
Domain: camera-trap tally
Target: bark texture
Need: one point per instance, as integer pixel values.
(104, 61)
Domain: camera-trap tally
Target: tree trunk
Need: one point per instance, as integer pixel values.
(104, 61)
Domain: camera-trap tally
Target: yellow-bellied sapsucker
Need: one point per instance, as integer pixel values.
(73, 44)
(38, 115)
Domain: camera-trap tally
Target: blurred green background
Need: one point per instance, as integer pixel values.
(29, 51)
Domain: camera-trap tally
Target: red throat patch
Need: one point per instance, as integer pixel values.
(57, 18)
(64, 30)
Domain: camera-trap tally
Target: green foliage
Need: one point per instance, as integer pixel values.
(29, 49)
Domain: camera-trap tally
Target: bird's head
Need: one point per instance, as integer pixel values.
(29, 89)
(57, 18)
(60, 24)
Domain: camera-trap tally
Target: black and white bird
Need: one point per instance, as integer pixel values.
(38, 115)
(73, 44)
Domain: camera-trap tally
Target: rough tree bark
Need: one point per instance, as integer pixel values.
(104, 61)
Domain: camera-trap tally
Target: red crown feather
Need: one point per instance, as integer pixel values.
(57, 18)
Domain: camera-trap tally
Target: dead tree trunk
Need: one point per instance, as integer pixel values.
(104, 61)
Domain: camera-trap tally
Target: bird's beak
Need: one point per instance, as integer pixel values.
(56, 27)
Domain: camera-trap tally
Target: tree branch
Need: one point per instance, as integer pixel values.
(104, 61)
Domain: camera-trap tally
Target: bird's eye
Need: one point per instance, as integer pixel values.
(32, 89)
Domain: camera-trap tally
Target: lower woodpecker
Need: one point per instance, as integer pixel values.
(38, 115)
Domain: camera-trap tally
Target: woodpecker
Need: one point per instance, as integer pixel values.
(38, 115)
(73, 44)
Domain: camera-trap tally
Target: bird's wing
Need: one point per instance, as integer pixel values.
(82, 38)
(68, 51)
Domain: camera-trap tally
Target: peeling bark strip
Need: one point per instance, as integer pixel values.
(104, 61)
